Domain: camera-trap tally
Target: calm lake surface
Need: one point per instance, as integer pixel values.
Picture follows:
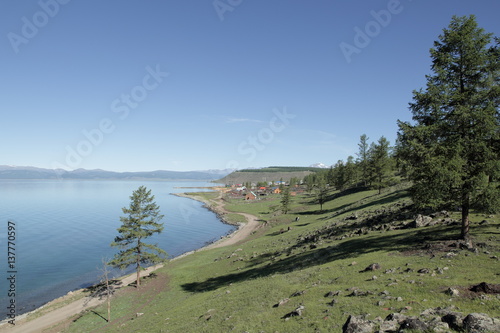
(64, 230)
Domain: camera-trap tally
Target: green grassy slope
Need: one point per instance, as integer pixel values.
(236, 288)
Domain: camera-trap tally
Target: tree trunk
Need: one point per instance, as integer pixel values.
(138, 268)
(138, 262)
(109, 297)
(465, 216)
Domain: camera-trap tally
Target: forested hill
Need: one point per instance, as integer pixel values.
(269, 174)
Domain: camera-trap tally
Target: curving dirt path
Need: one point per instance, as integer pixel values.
(243, 232)
(56, 316)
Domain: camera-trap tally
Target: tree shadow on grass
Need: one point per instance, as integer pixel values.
(347, 208)
(99, 315)
(347, 249)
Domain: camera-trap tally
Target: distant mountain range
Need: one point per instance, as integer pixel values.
(21, 172)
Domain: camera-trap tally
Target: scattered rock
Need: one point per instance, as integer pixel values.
(138, 314)
(281, 302)
(449, 255)
(371, 267)
(486, 288)
(431, 320)
(358, 325)
(298, 293)
(207, 316)
(452, 292)
(333, 302)
(398, 317)
(421, 221)
(295, 313)
(442, 213)
(423, 271)
(331, 293)
(389, 326)
(359, 293)
(413, 324)
(454, 320)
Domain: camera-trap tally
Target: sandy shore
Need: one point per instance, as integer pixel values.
(217, 206)
(51, 317)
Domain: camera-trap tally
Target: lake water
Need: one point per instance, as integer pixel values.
(64, 230)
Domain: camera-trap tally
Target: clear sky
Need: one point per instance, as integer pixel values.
(191, 85)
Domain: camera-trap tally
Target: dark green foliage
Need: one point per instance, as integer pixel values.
(321, 196)
(330, 177)
(294, 181)
(285, 200)
(452, 151)
(141, 221)
(379, 163)
(339, 176)
(363, 158)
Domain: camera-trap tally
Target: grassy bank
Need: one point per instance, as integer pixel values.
(317, 261)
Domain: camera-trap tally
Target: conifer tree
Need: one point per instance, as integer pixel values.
(351, 172)
(142, 220)
(321, 196)
(285, 200)
(363, 157)
(379, 163)
(340, 175)
(452, 150)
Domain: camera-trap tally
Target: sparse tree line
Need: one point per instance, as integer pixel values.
(451, 151)
(374, 167)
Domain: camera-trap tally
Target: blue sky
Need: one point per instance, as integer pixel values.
(191, 84)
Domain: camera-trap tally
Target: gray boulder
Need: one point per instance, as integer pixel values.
(421, 221)
(413, 324)
(356, 324)
(480, 323)
(454, 320)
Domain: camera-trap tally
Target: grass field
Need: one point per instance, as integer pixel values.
(324, 253)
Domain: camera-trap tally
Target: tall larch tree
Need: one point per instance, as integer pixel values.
(142, 220)
(285, 200)
(380, 163)
(452, 149)
(364, 147)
